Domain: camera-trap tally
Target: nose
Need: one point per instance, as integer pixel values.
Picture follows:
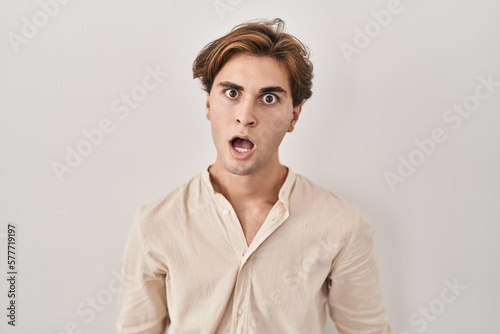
(245, 114)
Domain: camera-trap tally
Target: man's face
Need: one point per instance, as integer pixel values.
(250, 110)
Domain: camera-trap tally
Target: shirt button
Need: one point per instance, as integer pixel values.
(240, 312)
(225, 212)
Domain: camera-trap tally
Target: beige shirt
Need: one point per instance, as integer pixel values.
(188, 268)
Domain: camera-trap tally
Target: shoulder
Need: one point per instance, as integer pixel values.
(169, 208)
(318, 196)
(337, 212)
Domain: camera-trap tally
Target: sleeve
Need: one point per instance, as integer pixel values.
(354, 297)
(142, 307)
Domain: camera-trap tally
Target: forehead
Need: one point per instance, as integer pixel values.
(253, 72)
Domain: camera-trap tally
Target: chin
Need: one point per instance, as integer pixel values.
(241, 171)
(239, 168)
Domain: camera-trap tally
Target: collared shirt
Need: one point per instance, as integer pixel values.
(187, 266)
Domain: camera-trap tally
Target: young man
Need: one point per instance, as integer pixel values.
(248, 246)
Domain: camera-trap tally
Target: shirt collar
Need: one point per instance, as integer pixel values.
(206, 183)
(286, 188)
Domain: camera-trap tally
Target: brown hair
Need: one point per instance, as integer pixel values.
(265, 38)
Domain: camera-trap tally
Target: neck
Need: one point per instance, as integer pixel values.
(261, 186)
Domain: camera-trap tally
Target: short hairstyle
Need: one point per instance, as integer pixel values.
(264, 38)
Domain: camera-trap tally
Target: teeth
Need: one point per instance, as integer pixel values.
(239, 149)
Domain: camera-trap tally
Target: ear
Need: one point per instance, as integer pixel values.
(295, 117)
(207, 105)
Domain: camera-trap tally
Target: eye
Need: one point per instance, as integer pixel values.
(231, 93)
(270, 99)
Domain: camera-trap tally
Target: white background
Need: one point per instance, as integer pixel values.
(441, 223)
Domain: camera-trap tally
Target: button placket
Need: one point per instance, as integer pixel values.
(233, 229)
(241, 302)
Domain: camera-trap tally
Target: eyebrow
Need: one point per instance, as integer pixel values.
(264, 90)
(227, 84)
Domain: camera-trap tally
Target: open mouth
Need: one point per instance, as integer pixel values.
(242, 145)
